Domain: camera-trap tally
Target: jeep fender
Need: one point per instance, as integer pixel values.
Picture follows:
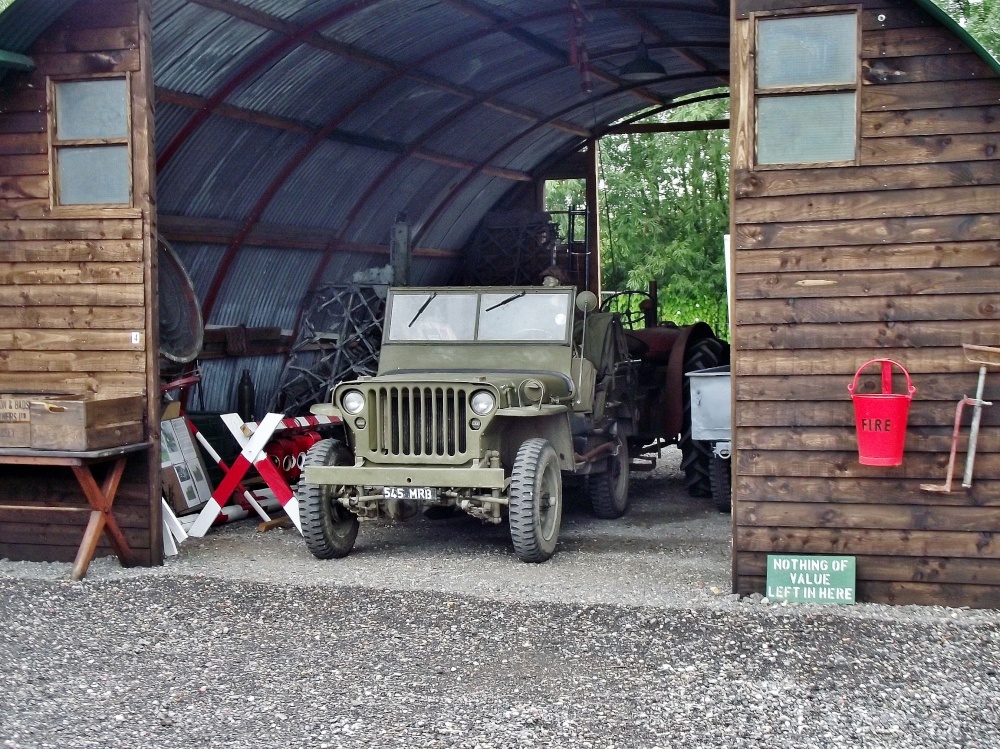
(530, 422)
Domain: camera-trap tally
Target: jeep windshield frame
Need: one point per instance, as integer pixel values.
(470, 316)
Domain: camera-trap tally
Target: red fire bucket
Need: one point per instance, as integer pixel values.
(880, 418)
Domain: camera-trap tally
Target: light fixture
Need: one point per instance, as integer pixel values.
(643, 67)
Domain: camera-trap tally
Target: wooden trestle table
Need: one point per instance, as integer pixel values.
(99, 498)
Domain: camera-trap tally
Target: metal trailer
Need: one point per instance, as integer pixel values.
(712, 421)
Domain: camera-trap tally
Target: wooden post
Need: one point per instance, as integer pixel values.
(144, 185)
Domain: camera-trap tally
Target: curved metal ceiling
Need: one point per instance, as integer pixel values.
(325, 119)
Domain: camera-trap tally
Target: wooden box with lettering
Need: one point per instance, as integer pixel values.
(15, 424)
(78, 422)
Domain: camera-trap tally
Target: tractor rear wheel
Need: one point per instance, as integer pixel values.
(722, 483)
(696, 455)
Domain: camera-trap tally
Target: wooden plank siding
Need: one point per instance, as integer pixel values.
(76, 283)
(898, 257)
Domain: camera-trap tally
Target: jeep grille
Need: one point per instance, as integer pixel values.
(420, 421)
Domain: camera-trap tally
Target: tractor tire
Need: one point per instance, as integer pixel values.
(535, 501)
(722, 483)
(608, 491)
(696, 455)
(328, 528)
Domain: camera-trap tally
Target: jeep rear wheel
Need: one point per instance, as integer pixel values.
(535, 501)
(328, 528)
(608, 491)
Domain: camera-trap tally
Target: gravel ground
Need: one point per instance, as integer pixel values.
(432, 634)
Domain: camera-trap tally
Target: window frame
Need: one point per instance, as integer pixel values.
(794, 91)
(56, 144)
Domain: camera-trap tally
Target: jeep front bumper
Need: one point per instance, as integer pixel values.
(376, 475)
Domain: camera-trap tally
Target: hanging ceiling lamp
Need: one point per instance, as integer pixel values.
(643, 67)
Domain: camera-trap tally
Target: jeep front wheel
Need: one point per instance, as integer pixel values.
(535, 501)
(328, 528)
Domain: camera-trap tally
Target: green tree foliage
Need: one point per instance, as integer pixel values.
(665, 209)
(981, 18)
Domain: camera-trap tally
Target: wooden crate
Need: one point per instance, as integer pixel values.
(15, 427)
(77, 422)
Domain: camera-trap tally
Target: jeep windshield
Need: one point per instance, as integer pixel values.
(475, 316)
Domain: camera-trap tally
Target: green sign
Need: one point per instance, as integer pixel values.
(810, 579)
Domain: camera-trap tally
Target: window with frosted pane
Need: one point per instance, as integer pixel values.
(806, 89)
(93, 175)
(90, 141)
(807, 51)
(91, 109)
(803, 129)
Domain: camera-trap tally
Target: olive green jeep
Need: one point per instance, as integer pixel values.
(485, 398)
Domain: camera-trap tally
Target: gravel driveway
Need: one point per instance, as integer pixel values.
(432, 634)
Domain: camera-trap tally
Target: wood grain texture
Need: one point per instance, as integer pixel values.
(895, 335)
(928, 40)
(919, 439)
(920, 149)
(930, 386)
(834, 411)
(928, 95)
(860, 516)
(875, 257)
(72, 251)
(883, 70)
(67, 38)
(896, 203)
(782, 540)
(869, 491)
(922, 229)
(72, 229)
(950, 121)
(72, 318)
(71, 361)
(72, 382)
(60, 273)
(68, 295)
(868, 179)
(794, 310)
(741, 100)
(84, 340)
(840, 284)
(923, 466)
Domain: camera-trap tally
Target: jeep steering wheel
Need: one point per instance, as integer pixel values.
(628, 305)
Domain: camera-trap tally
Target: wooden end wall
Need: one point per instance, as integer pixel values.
(76, 283)
(897, 257)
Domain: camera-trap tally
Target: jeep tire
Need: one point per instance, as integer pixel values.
(328, 528)
(535, 501)
(608, 490)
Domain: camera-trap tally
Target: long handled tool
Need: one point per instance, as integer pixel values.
(984, 356)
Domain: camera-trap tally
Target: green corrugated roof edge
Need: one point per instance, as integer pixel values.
(23, 21)
(940, 15)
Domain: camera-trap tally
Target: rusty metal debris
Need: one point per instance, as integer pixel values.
(340, 337)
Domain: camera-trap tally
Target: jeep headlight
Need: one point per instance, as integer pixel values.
(482, 402)
(352, 401)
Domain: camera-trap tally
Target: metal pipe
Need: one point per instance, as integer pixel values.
(977, 413)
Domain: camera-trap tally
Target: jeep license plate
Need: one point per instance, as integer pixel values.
(410, 492)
